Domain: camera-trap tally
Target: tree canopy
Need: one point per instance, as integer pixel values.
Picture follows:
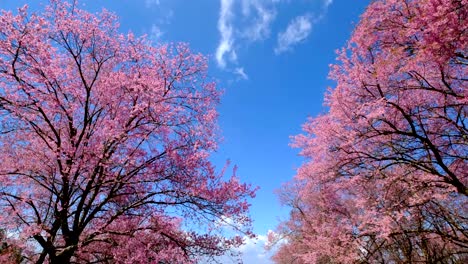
(105, 143)
(385, 179)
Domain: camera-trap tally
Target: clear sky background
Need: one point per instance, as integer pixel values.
(271, 58)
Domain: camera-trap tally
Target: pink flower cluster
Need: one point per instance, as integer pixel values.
(386, 174)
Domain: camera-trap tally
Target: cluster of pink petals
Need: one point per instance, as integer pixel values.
(105, 144)
(386, 178)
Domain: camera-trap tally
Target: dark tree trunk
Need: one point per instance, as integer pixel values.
(63, 258)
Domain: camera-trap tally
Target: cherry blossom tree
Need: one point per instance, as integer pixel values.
(105, 143)
(386, 175)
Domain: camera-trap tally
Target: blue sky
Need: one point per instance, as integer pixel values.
(271, 58)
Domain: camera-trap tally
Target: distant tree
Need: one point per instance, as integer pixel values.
(105, 144)
(387, 166)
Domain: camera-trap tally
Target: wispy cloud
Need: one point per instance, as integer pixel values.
(252, 251)
(155, 33)
(226, 31)
(238, 29)
(241, 73)
(150, 3)
(163, 16)
(297, 31)
(244, 22)
(259, 28)
(299, 28)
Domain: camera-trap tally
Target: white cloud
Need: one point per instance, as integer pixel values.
(155, 33)
(166, 16)
(242, 23)
(226, 30)
(327, 3)
(297, 31)
(259, 29)
(253, 24)
(161, 21)
(241, 73)
(150, 3)
(252, 251)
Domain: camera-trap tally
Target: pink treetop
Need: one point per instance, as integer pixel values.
(386, 178)
(105, 142)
